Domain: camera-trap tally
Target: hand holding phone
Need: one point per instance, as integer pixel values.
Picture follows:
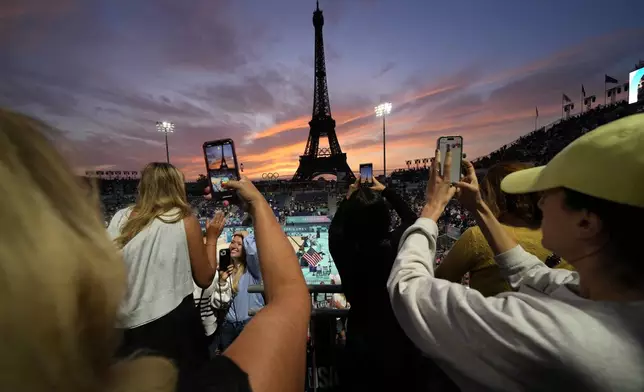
(455, 145)
(224, 259)
(366, 173)
(377, 186)
(246, 191)
(221, 166)
(224, 275)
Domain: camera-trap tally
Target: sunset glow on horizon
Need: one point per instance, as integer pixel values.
(105, 73)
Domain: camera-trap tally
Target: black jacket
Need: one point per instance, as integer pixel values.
(379, 353)
(364, 267)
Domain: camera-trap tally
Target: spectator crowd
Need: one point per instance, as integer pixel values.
(540, 230)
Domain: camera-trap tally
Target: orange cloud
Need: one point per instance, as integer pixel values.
(482, 133)
(414, 134)
(300, 122)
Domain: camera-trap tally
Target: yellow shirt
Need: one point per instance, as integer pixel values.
(472, 250)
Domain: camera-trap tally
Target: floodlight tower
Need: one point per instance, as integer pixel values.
(166, 127)
(383, 110)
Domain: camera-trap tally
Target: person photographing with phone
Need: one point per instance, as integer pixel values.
(363, 249)
(238, 269)
(79, 294)
(560, 329)
(162, 247)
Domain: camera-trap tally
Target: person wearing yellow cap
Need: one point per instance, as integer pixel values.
(560, 329)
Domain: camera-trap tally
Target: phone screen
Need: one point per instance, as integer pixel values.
(224, 259)
(366, 172)
(221, 164)
(456, 145)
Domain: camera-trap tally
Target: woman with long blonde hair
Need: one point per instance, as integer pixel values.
(63, 281)
(163, 251)
(243, 271)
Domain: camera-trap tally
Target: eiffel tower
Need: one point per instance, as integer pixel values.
(315, 160)
(223, 165)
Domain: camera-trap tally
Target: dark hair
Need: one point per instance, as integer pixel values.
(524, 207)
(620, 222)
(367, 216)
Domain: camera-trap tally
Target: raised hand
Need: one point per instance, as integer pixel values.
(246, 190)
(439, 188)
(215, 226)
(468, 191)
(223, 275)
(377, 186)
(353, 187)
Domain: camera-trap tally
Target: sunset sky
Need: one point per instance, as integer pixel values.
(104, 71)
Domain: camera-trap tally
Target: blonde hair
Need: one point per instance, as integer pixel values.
(61, 277)
(241, 269)
(161, 189)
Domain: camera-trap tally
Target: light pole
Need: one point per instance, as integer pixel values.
(166, 127)
(383, 110)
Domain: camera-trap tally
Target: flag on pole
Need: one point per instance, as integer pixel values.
(609, 79)
(312, 257)
(583, 90)
(566, 98)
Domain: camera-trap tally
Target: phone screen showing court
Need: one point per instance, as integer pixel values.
(456, 146)
(222, 165)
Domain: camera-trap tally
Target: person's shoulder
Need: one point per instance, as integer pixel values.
(175, 213)
(219, 374)
(191, 225)
(192, 218)
(121, 214)
(124, 211)
(530, 240)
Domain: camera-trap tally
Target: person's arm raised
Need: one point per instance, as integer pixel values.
(406, 214)
(252, 259)
(469, 196)
(203, 258)
(272, 347)
(517, 265)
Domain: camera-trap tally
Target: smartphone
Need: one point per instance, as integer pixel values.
(221, 166)
(455, 144)
(366, 172)
(224, 259)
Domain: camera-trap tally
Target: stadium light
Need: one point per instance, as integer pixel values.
(166, 127)
(383, 110)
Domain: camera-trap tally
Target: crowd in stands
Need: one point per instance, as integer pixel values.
(540, 146)
(555, 298)
(309, 203)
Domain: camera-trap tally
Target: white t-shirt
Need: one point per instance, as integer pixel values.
(159, 275)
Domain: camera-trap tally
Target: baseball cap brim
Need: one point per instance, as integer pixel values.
(525, 181)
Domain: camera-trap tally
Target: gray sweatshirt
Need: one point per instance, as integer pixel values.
(544, 337)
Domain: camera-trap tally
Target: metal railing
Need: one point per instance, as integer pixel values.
(322, 350)
(313, 289)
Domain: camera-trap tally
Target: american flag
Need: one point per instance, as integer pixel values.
(312, 257)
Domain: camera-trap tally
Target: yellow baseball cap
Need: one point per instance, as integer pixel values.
(607, 163)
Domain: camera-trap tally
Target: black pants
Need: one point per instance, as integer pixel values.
(178, 336)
